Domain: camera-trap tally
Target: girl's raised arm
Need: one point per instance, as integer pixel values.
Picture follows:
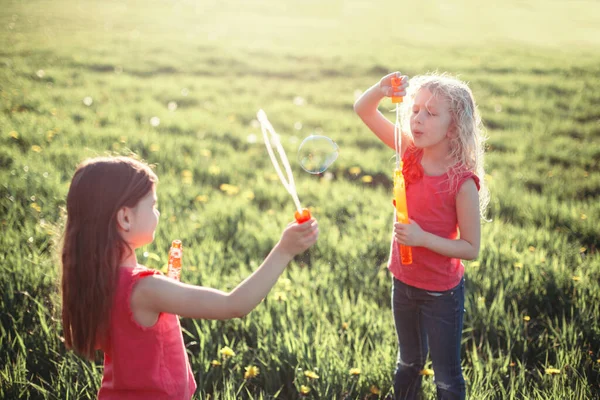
(366, 108)
(156, 294)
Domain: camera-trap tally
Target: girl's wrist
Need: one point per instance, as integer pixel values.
(280, 251)
(377, 91)
(426, 240)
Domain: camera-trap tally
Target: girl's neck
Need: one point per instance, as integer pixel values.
(436, 160)
(129, 260)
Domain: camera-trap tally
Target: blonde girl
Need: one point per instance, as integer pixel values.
(442, 152)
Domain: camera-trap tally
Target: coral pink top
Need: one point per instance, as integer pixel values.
(143, 362)
(431, 203)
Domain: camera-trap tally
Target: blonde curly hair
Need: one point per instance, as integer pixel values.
(467, 146)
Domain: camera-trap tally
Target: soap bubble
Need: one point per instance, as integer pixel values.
(316, 153)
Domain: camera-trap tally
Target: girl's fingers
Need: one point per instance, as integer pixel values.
(395, 74)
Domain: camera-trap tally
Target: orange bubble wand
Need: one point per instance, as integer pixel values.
(399, 184)
(301, 214)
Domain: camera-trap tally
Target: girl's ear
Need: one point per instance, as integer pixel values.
(123, 219)
(452, 133)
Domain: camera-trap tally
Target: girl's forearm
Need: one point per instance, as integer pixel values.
(368, 102)
(454, 248)
(248, 294)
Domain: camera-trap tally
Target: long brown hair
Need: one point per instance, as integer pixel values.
(93, 247)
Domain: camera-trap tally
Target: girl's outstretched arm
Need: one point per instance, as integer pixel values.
(156, 294)
(366, 108)
(467, 246)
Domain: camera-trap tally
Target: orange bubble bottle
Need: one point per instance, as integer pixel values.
(175, 253)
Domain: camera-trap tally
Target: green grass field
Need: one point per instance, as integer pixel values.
(532, 327)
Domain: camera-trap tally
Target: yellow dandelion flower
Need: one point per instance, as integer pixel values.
(36, 207)
(583, 216)
(231, 190)
(311, 375)
(214, 170)
(576, 278)
(354, 170)
(374, 390)
(518, 265)
(598, 361)
(248, 194)
(367, 179)
(582, 249)
(186, 173)
(354, 371)
(201, 198)
(205, 153)
(531, 248)
(345, 325)
(36, 148)
(270, 211)
(14, 134)
(215, 363)
(527, 318)
(154, 147)
(552, 371)
(475, 264)
(123, 139)
(227, 352)
(251, 372)
(426, 372)
(304, 390)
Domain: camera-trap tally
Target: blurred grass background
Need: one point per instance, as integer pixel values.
(179, 83)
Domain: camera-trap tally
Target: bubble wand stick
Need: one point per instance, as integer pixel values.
(301, 214)
(399, 184)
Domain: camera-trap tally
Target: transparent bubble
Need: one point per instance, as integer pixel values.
(316, 153)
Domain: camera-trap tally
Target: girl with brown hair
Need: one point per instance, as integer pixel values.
(129, 312)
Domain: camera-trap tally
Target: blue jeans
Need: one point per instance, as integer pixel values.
(428, 321)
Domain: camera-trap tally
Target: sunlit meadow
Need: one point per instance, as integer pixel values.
(179, 82)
